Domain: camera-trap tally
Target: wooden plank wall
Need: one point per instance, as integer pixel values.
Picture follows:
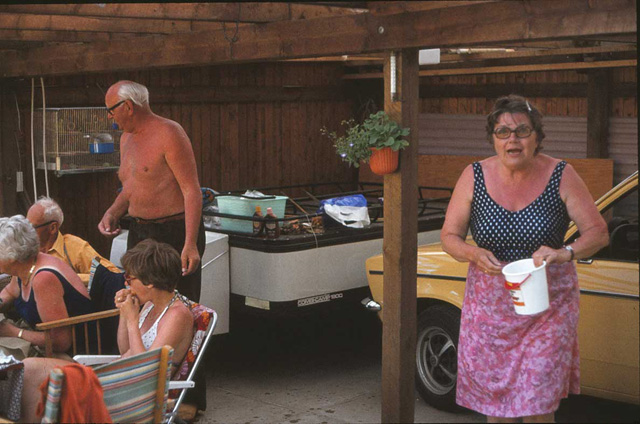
(566, 105)
(238, 142)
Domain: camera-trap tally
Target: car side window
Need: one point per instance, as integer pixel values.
(622, 223)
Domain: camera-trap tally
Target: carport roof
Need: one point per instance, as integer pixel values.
(55, 39)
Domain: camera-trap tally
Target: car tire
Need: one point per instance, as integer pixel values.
(437, 356)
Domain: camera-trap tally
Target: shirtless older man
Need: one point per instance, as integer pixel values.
(160, 187)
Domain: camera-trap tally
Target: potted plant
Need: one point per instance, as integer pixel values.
(377, 140)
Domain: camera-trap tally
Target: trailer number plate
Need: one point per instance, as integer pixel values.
(318, 299)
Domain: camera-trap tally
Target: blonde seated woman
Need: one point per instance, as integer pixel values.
(152, 271)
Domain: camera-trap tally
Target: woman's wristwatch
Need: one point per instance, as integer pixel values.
(20, 333)
(570, 249)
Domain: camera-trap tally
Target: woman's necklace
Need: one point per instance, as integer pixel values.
(30, 273)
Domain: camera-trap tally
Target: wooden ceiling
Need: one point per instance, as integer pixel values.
(49, 39)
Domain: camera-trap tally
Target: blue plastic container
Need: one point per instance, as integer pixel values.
(96, 147)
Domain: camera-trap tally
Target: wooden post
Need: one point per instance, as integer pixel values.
(400, 248)
(598, 106)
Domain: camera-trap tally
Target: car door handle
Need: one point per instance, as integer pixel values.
(587, 261)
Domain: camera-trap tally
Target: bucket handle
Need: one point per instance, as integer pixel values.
(515, 286)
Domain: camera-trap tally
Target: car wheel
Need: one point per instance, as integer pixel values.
(437, 356)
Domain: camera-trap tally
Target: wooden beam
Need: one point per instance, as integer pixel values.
(391, 7)
(253, 12)
(463, 58)
(490, 91)
(573, 51)
(400, 250)
(17, 21)
(353, 34)
(61, 36)
(93, 96)
(598, 107)
(508, 69)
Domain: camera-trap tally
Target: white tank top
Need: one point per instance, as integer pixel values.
(150, 335)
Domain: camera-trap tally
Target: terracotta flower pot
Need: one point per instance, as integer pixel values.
(383, 161)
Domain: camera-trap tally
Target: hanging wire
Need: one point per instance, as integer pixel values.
(19, 131)
(33, 152)
(44, 138)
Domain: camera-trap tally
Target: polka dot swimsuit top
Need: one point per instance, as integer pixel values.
(511, 236)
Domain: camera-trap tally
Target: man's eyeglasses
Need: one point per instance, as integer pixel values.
(112, 108)
(43, 224)
(522, 131)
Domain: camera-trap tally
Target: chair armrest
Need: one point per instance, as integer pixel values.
(65, 322)
(95, 359)
(70, 322)
(181, 385)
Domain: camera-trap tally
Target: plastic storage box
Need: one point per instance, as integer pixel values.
(246, 206)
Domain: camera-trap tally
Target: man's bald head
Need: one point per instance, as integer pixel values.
(46, 216)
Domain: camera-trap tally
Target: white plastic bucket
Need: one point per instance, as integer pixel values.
(527, 286)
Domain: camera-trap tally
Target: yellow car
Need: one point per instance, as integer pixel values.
(608, 327)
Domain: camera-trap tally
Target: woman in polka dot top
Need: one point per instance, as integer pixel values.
(518, 205)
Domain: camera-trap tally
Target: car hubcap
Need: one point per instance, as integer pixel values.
(437, 360)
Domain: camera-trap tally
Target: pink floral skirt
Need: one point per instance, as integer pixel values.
(515, 365)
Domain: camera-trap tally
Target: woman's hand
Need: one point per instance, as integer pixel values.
(128, 304)
(121, 296)
(551, 256)
(487, 262)
(6, 329)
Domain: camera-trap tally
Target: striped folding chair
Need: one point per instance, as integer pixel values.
(135, 389)
(204, 321)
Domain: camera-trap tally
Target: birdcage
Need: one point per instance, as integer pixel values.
(78, 139)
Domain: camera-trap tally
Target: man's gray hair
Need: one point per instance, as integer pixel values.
(51, 210)
(18, 239)
(135, 92)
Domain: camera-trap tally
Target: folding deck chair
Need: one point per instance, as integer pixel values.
(134, 388)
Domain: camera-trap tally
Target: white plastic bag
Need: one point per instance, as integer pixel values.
(350, 216)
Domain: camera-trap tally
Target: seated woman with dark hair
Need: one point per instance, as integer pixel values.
(43, 288)
(152, 270)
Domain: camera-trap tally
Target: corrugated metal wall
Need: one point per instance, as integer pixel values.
(444, 134)
(623, 146)
(565, 137)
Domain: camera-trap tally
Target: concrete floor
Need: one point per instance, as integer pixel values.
(327, 370)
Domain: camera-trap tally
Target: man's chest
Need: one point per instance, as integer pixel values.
(142, 159)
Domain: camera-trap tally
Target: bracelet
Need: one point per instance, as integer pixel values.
(20, 333)
(573, 253)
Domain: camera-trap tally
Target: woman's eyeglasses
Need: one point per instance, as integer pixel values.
(112, 108)
(128, 278)
(522, 131)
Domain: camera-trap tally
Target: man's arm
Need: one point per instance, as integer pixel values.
(181, 161)
(82, 254)
(109, 224)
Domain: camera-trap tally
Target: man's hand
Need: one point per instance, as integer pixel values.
(109, 225)
(190, 259)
